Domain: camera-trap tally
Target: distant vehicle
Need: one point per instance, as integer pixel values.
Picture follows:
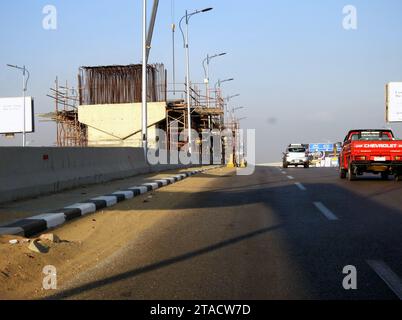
(296, 155)
(371, 151)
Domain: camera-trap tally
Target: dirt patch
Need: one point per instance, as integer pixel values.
(21, 269)
(85, 242)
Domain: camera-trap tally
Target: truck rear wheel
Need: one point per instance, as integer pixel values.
(384, 175)
(351, 173)
(342, 173)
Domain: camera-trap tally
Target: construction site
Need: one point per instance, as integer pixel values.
(105, 109)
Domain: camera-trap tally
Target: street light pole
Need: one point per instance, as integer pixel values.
(219, 83)
(206, 71)
(25, 72)
(207, 78)
(228, 100)
(188, 87)
(241, 143)
(24, 89)
(186, 46)
(144, 80)
(146, 48)
(234, 111)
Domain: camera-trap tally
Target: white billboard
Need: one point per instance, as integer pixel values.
(12, 115)
(394, 102)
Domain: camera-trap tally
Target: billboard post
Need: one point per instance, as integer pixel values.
(25, 72)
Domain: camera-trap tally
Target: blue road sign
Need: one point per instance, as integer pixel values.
(321, 147)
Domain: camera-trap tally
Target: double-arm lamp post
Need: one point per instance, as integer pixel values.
(205, 64)
(186, 18)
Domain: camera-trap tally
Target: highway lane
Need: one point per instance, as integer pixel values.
(278, 234)
(367, 215)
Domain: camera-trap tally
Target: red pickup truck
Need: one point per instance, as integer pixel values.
(371, 151)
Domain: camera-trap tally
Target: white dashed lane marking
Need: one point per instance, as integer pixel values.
(325, 211)
(290, 178)
(388, 276)
(300, 186)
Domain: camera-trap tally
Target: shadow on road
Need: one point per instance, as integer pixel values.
(317, 247)
(161, 264)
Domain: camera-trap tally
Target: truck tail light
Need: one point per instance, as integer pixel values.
(360, 158)
(398, 158)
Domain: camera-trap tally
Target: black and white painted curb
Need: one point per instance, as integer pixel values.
(34, 225)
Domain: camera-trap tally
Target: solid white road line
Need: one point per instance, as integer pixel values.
(290, 178)
(325, 211)
(388, 276)
(300, 186)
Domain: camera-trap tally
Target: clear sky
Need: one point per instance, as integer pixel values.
(302, 77)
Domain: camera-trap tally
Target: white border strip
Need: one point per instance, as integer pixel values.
(141, 188)
(85, 208)
(127, 194)
(110, 200)
(154, 185)
(52, 219)
(163, 181)
(172, 180)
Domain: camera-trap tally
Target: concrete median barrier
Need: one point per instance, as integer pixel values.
(32, 172)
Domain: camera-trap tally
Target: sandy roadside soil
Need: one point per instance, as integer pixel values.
(30, 207)
(86, 242)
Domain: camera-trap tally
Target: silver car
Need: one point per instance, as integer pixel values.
(296, 155)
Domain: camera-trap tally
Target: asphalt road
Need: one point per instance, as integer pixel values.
(273, 235)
